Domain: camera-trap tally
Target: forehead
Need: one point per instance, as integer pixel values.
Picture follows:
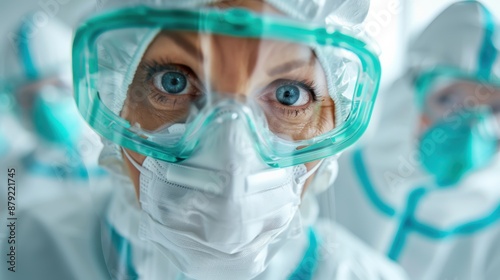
(254, 5)
(197, 44)
(234, 64)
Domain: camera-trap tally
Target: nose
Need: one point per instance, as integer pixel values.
(236, 96)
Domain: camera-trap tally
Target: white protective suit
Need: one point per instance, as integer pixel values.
(332, 251)
(385, 197)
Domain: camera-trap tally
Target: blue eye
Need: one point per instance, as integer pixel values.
(288, 94)
(445, 100)
(173, 82)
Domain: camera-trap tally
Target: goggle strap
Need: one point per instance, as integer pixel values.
(141, 169)
(302, 179)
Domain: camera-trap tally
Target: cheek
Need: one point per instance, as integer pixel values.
(133, 173)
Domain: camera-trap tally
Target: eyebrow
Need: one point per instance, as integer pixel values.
(290, 66)
(186, 44)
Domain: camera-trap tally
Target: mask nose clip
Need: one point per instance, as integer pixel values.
(226, 115)
(230, 111)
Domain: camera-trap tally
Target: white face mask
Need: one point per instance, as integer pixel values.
(222, 213)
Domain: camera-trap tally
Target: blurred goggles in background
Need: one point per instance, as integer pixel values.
(154, 80)
(444, 92)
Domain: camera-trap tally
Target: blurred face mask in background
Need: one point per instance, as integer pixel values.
(467, 142)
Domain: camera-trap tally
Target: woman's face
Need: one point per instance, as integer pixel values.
(285, 80)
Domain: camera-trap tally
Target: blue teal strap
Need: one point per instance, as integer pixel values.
(364, 178)
(488, 52)
(123, 250)
(307, 266)
(405, 224)
(24, 51)
(466, 228)
(408, 221)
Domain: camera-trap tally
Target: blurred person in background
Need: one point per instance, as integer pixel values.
(37, 75)
(57, 233)
(426, 189)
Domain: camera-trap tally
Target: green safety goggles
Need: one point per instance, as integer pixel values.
(155, 81)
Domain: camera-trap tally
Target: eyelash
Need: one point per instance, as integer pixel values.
(308, 85)
(153, 67)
